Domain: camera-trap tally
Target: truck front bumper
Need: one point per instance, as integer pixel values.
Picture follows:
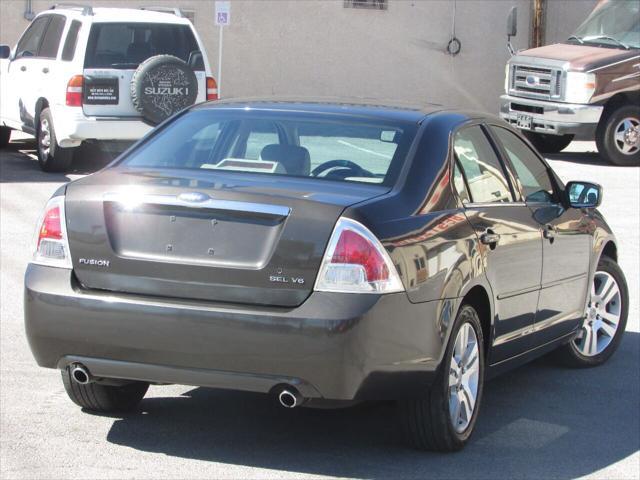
(332, 347)
(552, 118)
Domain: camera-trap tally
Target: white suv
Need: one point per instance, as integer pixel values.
(99, 74)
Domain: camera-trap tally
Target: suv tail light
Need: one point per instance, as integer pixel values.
(74, 91)
(355, 261)
(212, 89)
(51, 242)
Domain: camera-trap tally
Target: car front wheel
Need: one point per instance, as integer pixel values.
(51, 156)
(444, 418)
(604, 321)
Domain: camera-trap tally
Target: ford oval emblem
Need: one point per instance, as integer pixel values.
(194, 197)
(532, 80)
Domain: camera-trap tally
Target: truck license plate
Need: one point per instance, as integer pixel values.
(525, 121)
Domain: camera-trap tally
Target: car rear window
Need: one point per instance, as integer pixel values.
(126, 45)
(345, 148)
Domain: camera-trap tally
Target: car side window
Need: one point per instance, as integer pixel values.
(481, 167)
(30, 42)
(51, 41)
(69, 49)
(531, 173)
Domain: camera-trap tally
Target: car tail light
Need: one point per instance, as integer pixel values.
(355, 261)
(51, 242)
(212, 89)
(74, 91)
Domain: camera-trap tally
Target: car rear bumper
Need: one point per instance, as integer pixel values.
(552, 117)
(73, 127)
(333, 346)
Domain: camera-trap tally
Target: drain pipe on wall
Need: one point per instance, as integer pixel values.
(29, 14)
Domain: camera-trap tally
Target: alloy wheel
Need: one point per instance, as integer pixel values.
(464, 375)
(627, 136)
(44, 143)
(602, 316)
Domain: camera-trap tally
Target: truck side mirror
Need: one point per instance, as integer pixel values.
(5, 52)
(512, 22)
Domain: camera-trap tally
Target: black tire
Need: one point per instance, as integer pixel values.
(545, 143)
(56, 158)
(606, 135)
(426, 420)
(104, 398)
(570, 354)
(161, 86)
(5, 136)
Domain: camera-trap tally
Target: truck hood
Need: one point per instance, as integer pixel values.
(581, 57)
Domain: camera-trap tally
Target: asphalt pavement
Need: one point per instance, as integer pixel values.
(540, 421)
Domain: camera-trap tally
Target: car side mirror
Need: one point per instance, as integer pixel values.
(583, 194)
(5, 52)
(512, 22)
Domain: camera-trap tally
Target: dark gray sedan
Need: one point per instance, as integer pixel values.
(325, 254)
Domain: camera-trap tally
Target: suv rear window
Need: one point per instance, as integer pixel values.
(126, 45)
(352, 149)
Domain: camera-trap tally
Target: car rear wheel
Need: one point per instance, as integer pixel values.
(51, 156)
(444, 418)
(5, 136)
(618, 136)
(104, 398)
(548, 143)
(605, 319)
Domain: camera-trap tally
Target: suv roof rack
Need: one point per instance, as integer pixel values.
(175, 10)
(86, 9)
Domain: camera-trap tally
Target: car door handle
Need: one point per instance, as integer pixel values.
(45, 70)
(490, 238)
(23, 68)
(549, 232)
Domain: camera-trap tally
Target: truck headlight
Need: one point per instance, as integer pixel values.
(580, 87)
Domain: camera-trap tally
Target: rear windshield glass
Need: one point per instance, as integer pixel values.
(344, 148)
(126, 45)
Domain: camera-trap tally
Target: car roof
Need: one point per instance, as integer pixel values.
(391, 110)
(126, 15)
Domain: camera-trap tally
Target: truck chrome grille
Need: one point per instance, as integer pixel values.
(535, 82)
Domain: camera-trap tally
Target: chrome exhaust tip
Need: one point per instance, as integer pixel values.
(80, 374)
(290, 398)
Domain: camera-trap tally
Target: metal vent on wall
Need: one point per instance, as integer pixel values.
(372, 4)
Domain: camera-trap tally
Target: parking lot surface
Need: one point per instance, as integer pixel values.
(539, 421)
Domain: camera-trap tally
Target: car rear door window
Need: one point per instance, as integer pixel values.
(29, 44)
(481, 167)
(69, 49)
(533, 176)
(51, 40)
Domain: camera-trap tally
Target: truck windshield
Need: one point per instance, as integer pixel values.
(126, 45)
(614, 23)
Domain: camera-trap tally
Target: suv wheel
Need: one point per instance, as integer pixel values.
(545, 143)
(605, 319)
(104, 398)
(618, 136)
(5, 136)
(51, 156)
(444, 418)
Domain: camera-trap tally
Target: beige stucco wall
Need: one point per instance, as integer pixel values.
(318, 47)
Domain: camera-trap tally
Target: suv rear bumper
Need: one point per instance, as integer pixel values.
(333, 346)
(552, 117)
(73, 127)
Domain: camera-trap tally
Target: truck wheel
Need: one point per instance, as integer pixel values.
(618, 136)
(5, 136)
(545, 143)
(604, 321)
(444, 418)
(51, 156)
(104, 398)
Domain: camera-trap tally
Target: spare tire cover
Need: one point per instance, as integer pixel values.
(161, 86)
